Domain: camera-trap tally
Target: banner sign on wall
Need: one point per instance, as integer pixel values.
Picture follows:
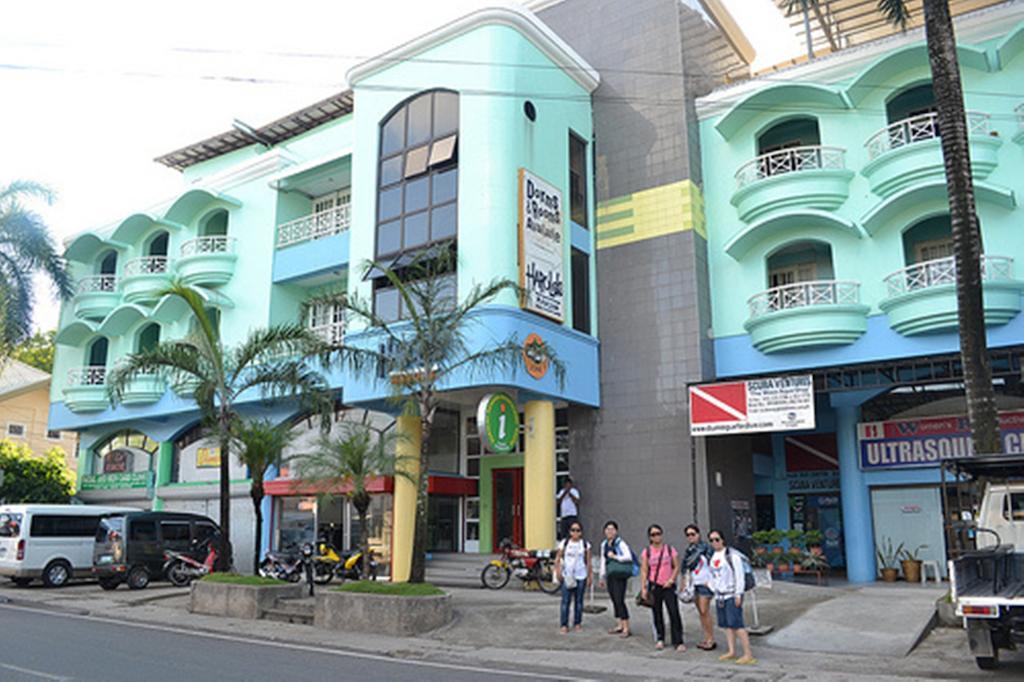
(771, 404)
(541, 255)
(906, 443)
(207, 458)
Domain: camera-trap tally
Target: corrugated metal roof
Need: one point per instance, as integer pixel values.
(275, 132)
(17, 376)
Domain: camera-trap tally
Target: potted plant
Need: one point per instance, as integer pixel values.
(759, 559)
(814, 561)
(911, 563)
(888, 558)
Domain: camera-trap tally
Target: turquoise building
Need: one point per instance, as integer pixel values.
(830, 254)
(413, 157)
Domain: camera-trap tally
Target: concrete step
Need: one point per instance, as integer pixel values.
(299, 611)
(457, 570)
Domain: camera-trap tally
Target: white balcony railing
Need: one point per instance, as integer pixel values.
(941, 271)
(203, 245)
(332, 334)
(803, 295)
(147, 265)
(97, 283)
(314, 226)
(918, 128)
(87, 376)
(813, 157)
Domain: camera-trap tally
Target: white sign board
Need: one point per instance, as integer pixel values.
(770, 404)
(541, 256)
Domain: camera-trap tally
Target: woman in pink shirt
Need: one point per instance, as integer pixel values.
(659, 569)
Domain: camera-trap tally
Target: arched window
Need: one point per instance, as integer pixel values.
(916, 100)
(793, 132)
(215, 224)
(149, 337)
(418, 174)
(157, 244)
(928, 240)
(802, 261)
(97, 352)
(124, 452)
(108, 264)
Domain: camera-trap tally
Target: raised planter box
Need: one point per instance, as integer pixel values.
(383, 614)
(239, 601)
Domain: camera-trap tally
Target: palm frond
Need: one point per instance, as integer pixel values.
(259, 443)
(17, 188)
(174, 358)
(266, 345)
(896, 12)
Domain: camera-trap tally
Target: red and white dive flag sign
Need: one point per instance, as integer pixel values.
(772, 404)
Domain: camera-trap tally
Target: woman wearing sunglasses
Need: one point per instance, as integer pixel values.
(727, 584)
(573, 570)
(659, 566)
(695, 563)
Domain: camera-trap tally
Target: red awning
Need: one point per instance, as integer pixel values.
(436, 485)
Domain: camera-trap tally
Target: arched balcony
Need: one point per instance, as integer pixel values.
(85, 387)
(209, 259)
(96, 295)
(145, 277)
(147, 388)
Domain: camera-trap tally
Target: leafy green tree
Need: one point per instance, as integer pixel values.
(26, 248)
(270, 363)
(350, 461)
(37, 350)
(967, 246)
(29, 479)
(433, 343)
(259, 445)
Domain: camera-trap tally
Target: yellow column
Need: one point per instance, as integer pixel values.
(408, 450)
(539, 475)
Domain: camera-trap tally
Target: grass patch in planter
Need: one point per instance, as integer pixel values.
(237, 579)
(391, 589)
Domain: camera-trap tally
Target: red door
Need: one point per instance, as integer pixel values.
(507, 494)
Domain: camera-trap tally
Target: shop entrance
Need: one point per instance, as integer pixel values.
(911, 517)
(508, 505)
(442, 523)
(822, 513)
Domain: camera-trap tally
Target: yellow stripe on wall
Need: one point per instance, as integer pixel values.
(654, 212)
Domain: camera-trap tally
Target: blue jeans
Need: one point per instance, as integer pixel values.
(575, 595)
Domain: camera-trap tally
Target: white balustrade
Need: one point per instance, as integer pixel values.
(792, 160)
(90, 375)
(213, 244)
(942, 271)
(147, 265)
(332, 334)
(314, 226)
(802, 295)
(918, 128)
(97, 283)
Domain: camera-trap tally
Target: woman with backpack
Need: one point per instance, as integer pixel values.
(659, 568)
(728, 583)
(616, 570)
(573, 570)
(696, 564)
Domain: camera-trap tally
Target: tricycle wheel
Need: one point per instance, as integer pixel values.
(987, 662)
(494, 577)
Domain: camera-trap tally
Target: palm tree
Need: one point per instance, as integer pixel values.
(269, 362)
(260, 444)
(952, 121)
(26, 247)
(426, 348)
(349, 462)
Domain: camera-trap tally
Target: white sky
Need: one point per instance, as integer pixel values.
(91, 92)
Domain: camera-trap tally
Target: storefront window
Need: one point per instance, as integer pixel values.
(378, 522)
(444, 443)
(296, 522)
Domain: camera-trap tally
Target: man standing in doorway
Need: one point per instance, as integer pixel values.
(568, 506)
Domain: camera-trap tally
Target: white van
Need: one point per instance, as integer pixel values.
(51, 542)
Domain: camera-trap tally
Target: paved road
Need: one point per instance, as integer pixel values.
(44, 646)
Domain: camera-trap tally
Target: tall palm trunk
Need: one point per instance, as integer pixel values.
(364, 535)
(224, 560)
(418, 570)
(256, 492)
(967, 247)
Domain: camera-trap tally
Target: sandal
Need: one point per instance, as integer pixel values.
(726, 657)
(615, 631)
(625, 634)
(707, 646)
(681, 648)
(746, 660)
(659, 646)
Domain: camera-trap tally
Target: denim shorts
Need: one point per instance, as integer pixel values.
(729, 615)
(703, 591)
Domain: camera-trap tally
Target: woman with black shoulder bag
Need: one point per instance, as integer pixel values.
(616, 570)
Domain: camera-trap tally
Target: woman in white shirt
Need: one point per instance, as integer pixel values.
(616, 570)
(573, 570)
(727, 584)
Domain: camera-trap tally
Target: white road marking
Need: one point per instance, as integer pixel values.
(297, 647)
(34, 673)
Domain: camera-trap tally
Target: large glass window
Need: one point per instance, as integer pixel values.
(418, 175)
(580, 291)
(578, 180)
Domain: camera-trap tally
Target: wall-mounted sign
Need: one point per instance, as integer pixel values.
(541, 255)
(534, 356)
(207, 458)
(497, 418)
(772, 404)
(131, 479)
(118, 461)
(906, 443)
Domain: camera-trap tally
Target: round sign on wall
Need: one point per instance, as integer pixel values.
(497, 418)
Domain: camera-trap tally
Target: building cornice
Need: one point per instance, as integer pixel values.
(523, 21)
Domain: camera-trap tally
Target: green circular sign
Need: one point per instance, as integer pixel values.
(497, 417)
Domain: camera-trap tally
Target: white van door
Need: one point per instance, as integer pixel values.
(11, 524)
(63, 538)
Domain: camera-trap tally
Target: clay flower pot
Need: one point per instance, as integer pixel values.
(911, 570)
(889, 575)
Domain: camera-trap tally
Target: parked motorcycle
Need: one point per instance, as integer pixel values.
(181, 569)
(527, 565)
(345, 565)
(281, 566)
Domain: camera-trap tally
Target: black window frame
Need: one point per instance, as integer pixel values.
(133, 530)
(63, 526)
(580, 294)
(578, 202)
